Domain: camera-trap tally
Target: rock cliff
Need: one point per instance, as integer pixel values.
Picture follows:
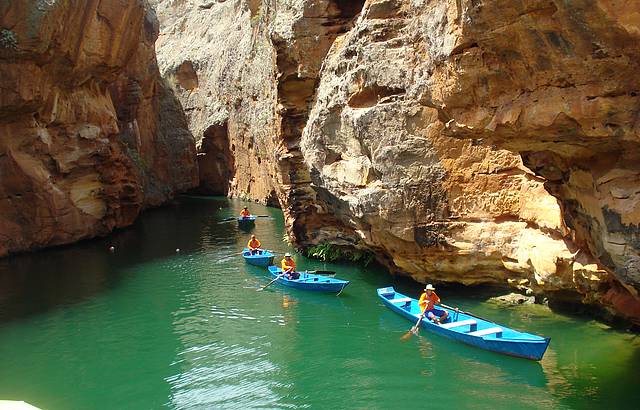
(89, 132)
(470, 141)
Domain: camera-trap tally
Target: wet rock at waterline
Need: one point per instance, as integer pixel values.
(512, 299)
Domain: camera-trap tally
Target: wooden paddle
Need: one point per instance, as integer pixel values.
(330, 275)
(269, 284)
(321, 272)
(414, 330)
(466, 313)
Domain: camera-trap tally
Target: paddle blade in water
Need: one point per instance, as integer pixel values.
(407, 335)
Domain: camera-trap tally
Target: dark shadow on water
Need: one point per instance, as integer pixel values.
(36, 282)
(246, 227)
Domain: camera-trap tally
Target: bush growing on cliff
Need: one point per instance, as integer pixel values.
(328, 252)
(8, 39)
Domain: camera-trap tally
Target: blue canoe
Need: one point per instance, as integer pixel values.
(309, 281)
(246, 220)
(470, 329)
(262, 258)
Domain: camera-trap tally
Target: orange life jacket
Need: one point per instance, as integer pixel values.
(426, 302)
(287, 264)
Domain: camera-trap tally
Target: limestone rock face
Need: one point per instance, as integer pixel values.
(89, 133)
(440, 129)
(218, 58)
(466, 141)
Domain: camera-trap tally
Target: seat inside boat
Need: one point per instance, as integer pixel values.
(485, 332)
(473, 325)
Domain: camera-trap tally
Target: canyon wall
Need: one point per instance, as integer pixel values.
(463, 141)
(90, 134)
(218, 58)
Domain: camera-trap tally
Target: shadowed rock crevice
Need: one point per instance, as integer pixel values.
(298, 71)
(373, 95)
(348, 8)
(216, 161)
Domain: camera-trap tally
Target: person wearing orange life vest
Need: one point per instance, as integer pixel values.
(245, 212)
(289, 267)
(427, 301)
(254, 245)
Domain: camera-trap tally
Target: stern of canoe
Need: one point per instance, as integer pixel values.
(264, 259)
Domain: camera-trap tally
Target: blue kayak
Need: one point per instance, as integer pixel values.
(469, 329)
(262, 258)
(309, 281)
(246, 220)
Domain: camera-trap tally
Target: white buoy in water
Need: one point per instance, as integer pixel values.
(112, 249)
(177, 250)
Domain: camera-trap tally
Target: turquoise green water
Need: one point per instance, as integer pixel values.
(146, 328)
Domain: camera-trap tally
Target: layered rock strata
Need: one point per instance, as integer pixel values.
(466, 141)
(89, 133)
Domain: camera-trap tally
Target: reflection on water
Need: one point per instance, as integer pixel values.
(146, 327)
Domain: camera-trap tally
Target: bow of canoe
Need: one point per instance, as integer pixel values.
(309, 281)
(246, 220)
(470, 329)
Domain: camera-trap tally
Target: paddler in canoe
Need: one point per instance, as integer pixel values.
(254, 245)
(245, 212)
(427, 301)
(289, 267)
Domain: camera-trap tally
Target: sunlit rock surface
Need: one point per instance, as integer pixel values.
(89, 134)
(464, 141)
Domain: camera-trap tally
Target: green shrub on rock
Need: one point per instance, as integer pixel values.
(8, 39)
(328, 252)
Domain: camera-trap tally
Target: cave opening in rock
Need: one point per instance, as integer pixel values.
(349, 8)
(216, 161)
(373, 95)
(186, 76)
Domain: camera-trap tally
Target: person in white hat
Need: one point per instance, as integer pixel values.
(427, 305)
(289, 267)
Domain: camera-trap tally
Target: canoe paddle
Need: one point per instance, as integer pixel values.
(414, 330)
(321, 272)
(268, 284)
(466, 313)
